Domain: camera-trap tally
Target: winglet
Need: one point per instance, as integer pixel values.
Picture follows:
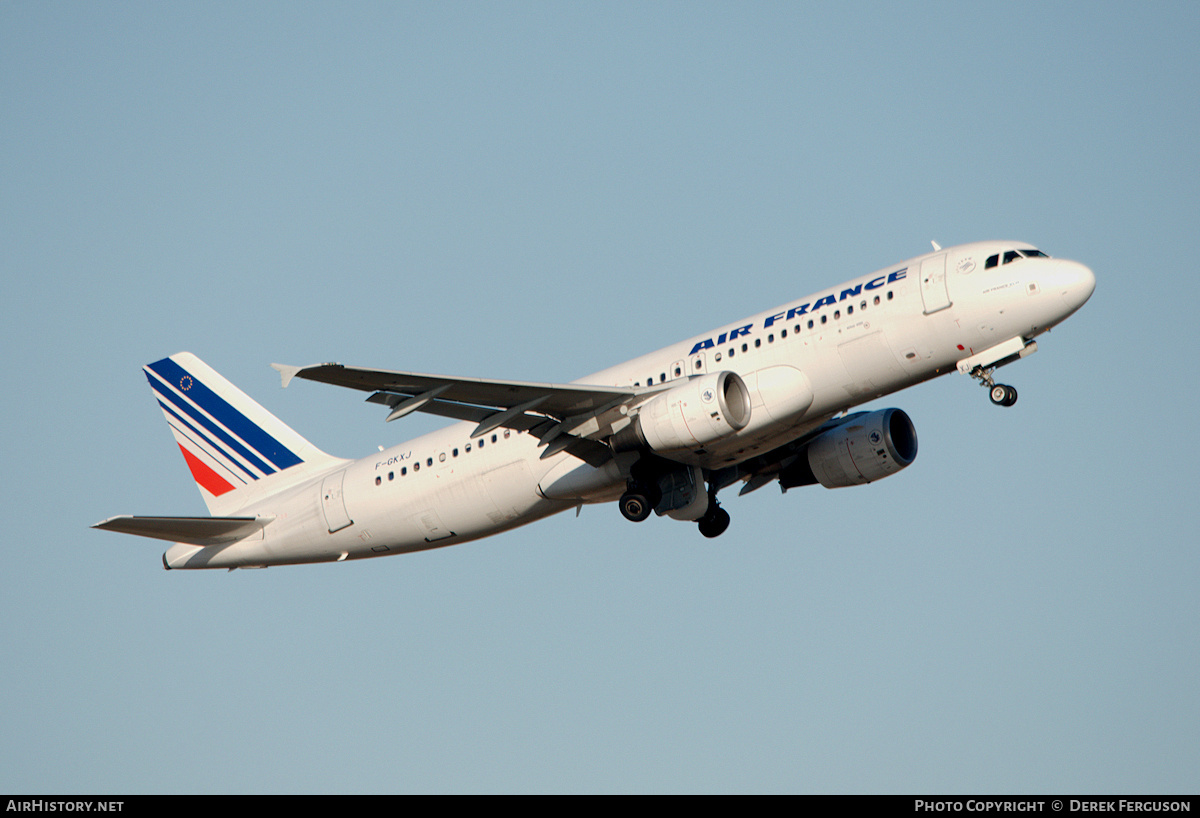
(286, 372)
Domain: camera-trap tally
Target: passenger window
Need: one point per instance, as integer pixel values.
(391, 476)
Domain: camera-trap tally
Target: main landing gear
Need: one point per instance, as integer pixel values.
(640, 498)
(1001, 394)
(715, 520)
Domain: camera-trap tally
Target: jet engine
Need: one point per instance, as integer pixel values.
(865, 447)
(689, 416)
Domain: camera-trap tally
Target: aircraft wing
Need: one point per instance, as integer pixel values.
(572, 417)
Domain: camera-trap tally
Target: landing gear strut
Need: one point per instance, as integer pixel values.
(1001, 394)
(716, 519)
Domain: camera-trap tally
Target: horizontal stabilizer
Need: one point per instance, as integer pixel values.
(191, 530)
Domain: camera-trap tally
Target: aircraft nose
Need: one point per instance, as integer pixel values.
(1080, 281)
(1073, 282)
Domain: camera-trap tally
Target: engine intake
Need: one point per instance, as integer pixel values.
(866, 447)
(690, 416)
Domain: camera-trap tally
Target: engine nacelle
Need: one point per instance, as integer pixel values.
(694, 414)
(866, 447)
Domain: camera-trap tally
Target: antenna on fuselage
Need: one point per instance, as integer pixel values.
(936, 246)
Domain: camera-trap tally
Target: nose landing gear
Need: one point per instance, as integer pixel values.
(1001, 394)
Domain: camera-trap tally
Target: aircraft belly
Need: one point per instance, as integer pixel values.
(512, 491)
(572, 479)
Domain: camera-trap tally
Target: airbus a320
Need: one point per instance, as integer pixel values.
(767, 399)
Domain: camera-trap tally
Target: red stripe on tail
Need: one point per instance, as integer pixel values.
(208, 479)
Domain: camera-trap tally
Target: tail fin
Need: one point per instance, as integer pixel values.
(233, 446)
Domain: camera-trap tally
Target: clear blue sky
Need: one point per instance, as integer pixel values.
(537, 191)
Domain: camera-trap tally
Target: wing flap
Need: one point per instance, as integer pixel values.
(191, 530)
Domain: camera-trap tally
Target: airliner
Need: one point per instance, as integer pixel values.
(766, 399)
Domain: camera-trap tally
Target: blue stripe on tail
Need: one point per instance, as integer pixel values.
(266, 446)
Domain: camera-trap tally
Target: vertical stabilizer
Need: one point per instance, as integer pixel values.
(236, 450)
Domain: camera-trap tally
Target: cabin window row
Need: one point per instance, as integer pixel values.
(416, 466)
(758, 342)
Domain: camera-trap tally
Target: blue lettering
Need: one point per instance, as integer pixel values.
(803, 309)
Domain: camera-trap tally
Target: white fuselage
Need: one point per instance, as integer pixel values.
(804, 362)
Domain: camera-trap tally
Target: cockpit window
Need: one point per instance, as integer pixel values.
(1013, 255)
